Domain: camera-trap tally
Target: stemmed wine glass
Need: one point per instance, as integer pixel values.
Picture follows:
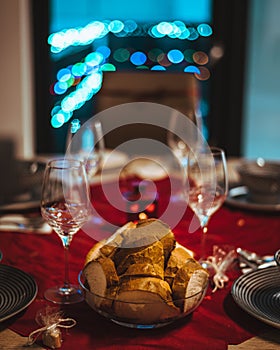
(65, 206)
(86, 143)
(190, 127)
(208, 183)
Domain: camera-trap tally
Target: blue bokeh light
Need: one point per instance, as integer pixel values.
(64, 74)
(86, 76)
(105, 51)
(60, 87)
(192, 69)
(138, 58)
(158, 68)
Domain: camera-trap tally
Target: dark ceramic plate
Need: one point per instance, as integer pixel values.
(17, 291)
(258, 293)
(238, 197)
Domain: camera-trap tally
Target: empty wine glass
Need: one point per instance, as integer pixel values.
(190, 127)
(65, 206)
(86, 143)
(208, 183)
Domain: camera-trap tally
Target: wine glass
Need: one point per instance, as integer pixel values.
(208, 183)
(86, 143)
(190, 127)
(65, 207)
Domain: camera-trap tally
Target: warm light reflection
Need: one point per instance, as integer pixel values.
(143, 216)
(204, 73)
(200, 57)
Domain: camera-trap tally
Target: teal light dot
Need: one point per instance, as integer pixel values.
(155, 33)
(108, 67)
(204, 29)
(184, 34)
(68, 104)
(121, 55)
(175, 56)
(94, 59)
(193, 34)
(164, 28)
(79, 69)
(143, 67)
(130, 26)
(51, 39)
(75, 125)
(57, 120)
(116, 26)
(188, 54)
(55, 49)
(55, 110)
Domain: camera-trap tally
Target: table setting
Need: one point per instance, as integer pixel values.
(211, 280)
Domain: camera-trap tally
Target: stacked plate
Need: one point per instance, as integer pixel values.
(258, 293)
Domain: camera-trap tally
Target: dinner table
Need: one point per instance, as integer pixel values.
(218, 323)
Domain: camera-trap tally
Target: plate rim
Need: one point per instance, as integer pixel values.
(257, 314)
(232, 201)
(32, 298)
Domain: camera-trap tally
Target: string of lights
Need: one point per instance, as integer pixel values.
(78, 83)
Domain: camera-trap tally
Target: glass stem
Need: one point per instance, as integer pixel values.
(66, 267)
(204, 230)
(66, 240)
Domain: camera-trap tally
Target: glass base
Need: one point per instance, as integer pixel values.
(64, 295)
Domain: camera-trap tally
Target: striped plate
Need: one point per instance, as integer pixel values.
(17, 290)
(258, 293)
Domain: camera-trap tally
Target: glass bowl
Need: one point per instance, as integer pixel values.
(142, 314)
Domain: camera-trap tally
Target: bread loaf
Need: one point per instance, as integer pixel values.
(143, 275)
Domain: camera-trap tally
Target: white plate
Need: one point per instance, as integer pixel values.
(238, 197)
(258, 293)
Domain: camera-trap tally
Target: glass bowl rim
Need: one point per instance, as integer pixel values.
(201, 292)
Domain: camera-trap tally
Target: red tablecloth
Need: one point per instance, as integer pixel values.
(216, 323)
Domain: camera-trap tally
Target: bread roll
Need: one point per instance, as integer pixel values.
(148, 300)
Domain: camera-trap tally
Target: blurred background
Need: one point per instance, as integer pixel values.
(55, 50)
